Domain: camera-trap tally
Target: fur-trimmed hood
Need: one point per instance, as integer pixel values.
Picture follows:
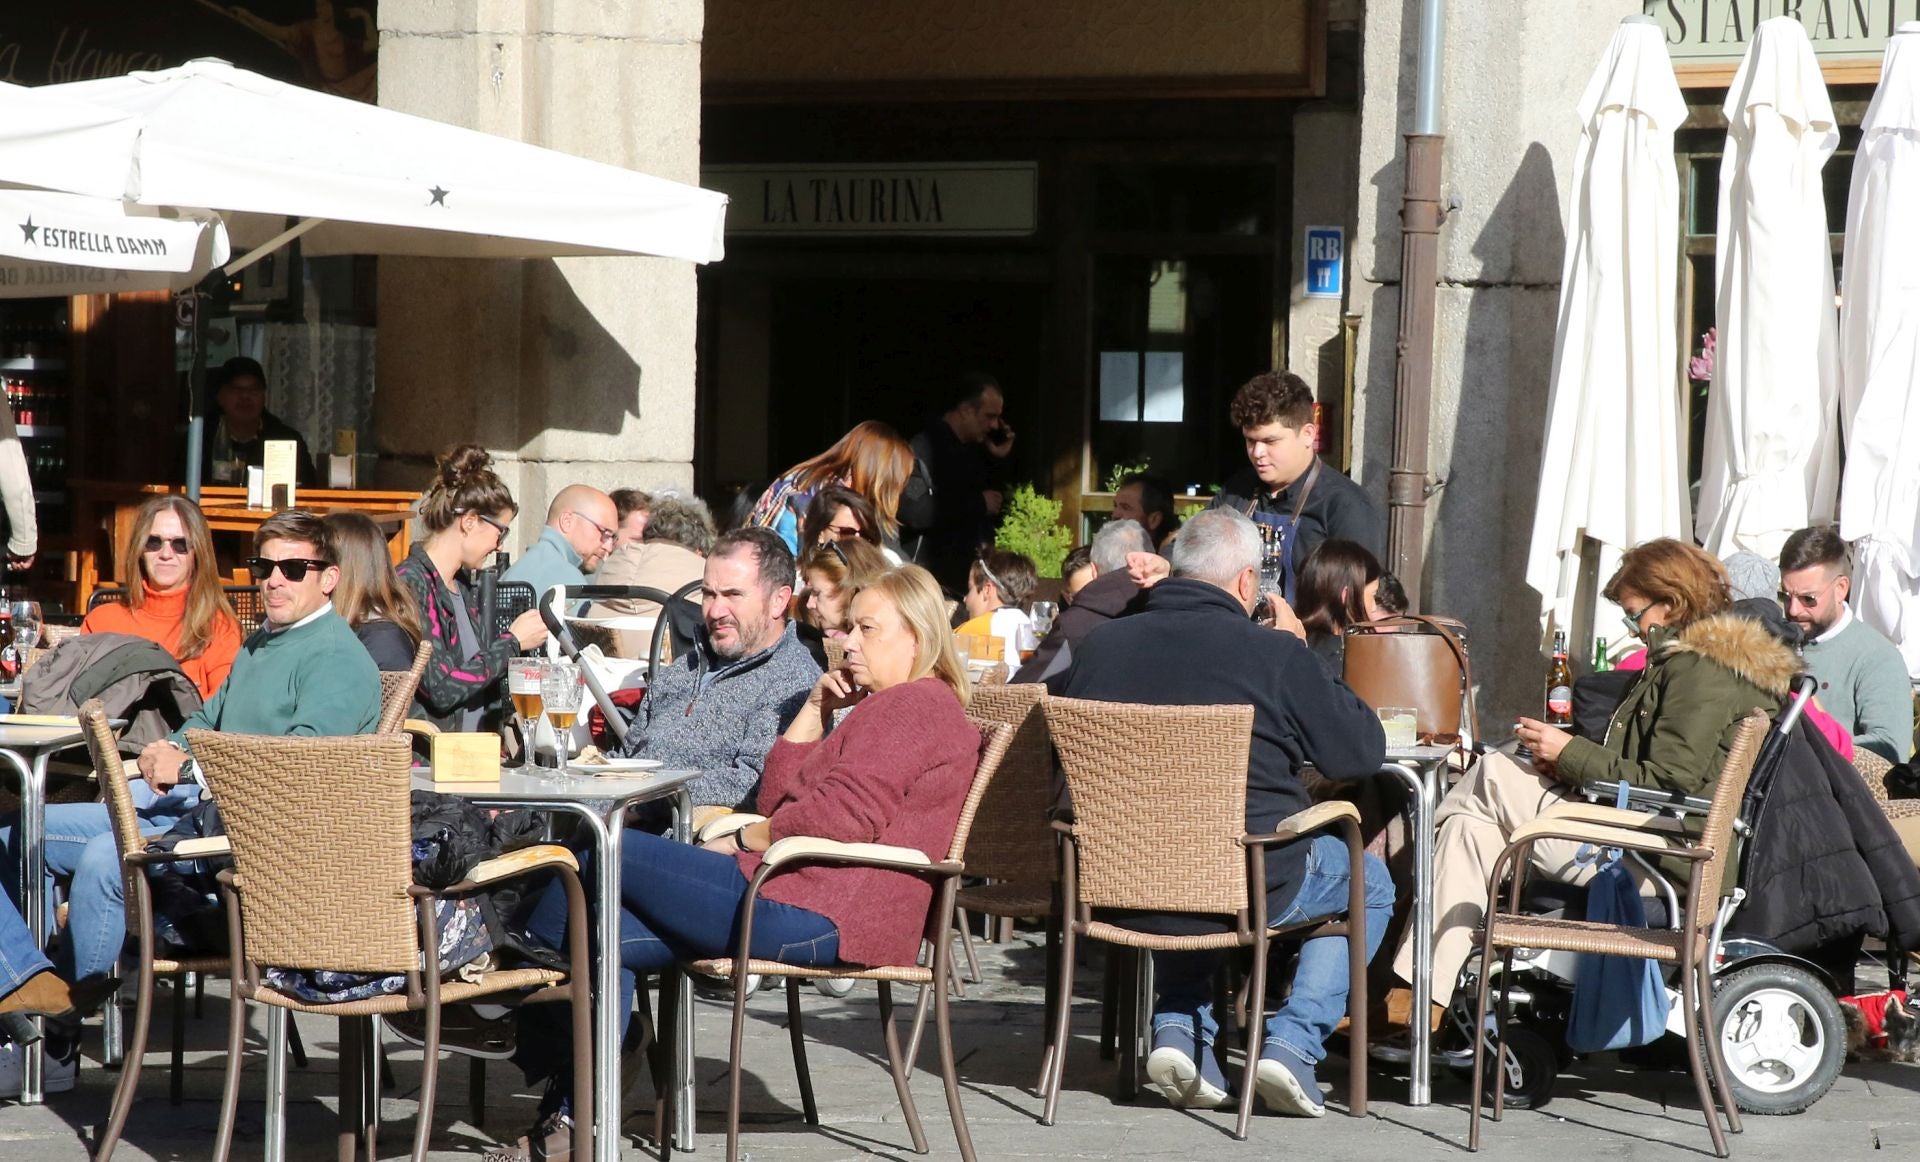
(1741, 645)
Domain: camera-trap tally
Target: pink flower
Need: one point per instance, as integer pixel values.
(1700, 367)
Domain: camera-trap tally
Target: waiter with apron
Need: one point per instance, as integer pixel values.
(1294, 499)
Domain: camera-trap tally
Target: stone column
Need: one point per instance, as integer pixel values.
(569, 370)
(1514, 73)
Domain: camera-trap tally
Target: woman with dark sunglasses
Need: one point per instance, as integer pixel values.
(467, 512)
(173, 592)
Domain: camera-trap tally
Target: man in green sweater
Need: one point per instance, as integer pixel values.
(302, 673)
(1863, 680)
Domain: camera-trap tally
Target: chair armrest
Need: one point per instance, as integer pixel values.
(420, 727)
(1613, 817)
(708, 813)
(1314, 818)
(806, 848)
(206, 845)
(1601, 835)
(720, 826)
(516, 863)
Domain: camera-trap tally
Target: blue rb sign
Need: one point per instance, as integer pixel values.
(1326, 262)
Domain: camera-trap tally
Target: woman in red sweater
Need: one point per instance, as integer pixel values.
(895, 770)
(174, 597)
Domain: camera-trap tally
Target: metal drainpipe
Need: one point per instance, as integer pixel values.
(1420, 218)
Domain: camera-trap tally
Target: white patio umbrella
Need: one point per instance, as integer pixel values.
(362, 179)
(1612, 469)
(1772, 460)
(65, 244)
(1880, 354)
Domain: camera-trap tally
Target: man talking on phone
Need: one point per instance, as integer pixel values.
(962, 454)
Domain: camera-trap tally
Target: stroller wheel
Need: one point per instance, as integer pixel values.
(1527, 1069)
(1782, 1035)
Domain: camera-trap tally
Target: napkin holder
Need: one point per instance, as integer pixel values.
(466, 757)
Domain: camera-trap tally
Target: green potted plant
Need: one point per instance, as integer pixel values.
(1030, 524)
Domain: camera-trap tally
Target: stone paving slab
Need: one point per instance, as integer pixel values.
(1601, 1109)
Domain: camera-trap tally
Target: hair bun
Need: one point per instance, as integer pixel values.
(462, 463)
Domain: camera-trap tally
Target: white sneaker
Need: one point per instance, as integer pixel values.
(56, 1076)
(1175, 1075)
(833, 986)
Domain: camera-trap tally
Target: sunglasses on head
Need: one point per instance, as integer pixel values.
(180, 545)
(292, 568)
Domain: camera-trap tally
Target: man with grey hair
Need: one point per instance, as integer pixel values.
(1195, 643)
(1110, 594)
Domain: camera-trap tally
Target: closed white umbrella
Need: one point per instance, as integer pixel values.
(1612, 469)
(1772, 461)
(1880, 354)
(362, 179)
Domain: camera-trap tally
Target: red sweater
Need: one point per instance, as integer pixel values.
(896, 771)
(158, 620)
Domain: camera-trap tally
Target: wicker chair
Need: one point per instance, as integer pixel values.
(135, 860)
(797, 852)
(1136, 772)
(323, 878)
(836, 648)
(1709, 857)
(397, 688)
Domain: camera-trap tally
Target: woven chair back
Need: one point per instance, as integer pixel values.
(1159, 802)
(994, 738)
(104, 749)
(1717, 835)
(397, 689)
(836, 650)
(322, 842)
(1012, 839)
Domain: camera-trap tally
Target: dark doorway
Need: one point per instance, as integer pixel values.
(847, 350)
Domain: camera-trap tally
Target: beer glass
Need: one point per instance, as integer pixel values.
(523, 685)
(1043, 614)
(560, 694)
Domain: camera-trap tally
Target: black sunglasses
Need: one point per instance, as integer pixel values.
(180, 544)
(292, 568)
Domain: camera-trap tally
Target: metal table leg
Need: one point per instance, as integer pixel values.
(1424, 804)
(33, 896)
(683, 1111)
(276, 1132)
(606, 980)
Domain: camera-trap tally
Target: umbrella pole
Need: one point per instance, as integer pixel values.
(196, 393)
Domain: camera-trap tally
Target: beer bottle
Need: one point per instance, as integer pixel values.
(1560, 684)
(1601, 662)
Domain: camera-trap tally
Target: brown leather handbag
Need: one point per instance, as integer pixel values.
(1414, 661)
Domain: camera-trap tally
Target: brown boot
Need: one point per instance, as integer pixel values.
(44, 992)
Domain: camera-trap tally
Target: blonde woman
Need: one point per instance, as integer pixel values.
(895, 770)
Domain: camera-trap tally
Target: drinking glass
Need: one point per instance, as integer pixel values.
(523, 685)
(560, 694)
(1401, 726)
(26, 627)
(1043, 614)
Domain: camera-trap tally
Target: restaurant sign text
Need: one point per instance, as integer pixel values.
(967, 198)
(1717, 31)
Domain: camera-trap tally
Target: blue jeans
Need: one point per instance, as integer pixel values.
(679, 902)
(20, 958)
(80, 845)
(1184, 980)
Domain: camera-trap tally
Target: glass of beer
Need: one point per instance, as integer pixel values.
(560, 693)
(523, 685)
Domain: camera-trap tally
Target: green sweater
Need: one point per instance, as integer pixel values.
(313, 679)
(1864, 685)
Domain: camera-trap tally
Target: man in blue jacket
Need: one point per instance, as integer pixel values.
(1195, 644)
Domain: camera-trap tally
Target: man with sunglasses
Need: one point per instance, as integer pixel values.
(582, 525)
(302, 673)
(1863, 679)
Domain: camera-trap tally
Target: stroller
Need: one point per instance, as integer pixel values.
(1781, 1028)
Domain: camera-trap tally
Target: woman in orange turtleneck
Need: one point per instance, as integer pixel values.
(174, 596)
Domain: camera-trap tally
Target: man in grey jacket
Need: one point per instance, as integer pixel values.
(721, 705)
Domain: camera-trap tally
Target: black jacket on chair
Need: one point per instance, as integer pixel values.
(1823, 864)
(1193, 645)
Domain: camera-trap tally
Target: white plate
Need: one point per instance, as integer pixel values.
(616, 767)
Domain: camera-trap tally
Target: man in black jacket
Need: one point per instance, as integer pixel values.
(1194, 644)
(953, 505)
(1110, 594)
(1297, 500)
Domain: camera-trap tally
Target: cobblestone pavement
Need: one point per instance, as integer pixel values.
(1600, 1108)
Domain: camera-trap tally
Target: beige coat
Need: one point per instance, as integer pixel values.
(660, 565)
